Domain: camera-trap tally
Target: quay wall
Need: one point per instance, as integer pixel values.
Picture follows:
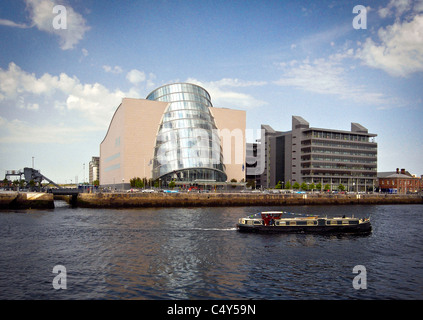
(128, 200)
(26, 200)
(34, 200)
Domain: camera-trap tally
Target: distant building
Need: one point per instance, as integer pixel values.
(94, 170)
(320, 156)
(400, 182)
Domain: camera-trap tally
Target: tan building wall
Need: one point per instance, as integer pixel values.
(128, 147)
(231, 124)
(129, 144)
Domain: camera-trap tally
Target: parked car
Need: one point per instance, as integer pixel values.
(148, 190)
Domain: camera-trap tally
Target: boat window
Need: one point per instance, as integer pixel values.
(301, 223)
(354, 222)
(339, 222)
(257, 222)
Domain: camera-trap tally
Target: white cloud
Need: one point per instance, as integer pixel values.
(42, 16)
(327, 76)
(222, 97)
(115, 69)
(400, 48)
(135, 76)
(397, 7)
(9, 23)
(93, 101)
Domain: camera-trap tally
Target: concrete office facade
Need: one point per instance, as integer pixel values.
(175, 134)
(319, 156)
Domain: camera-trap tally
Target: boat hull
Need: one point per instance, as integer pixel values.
(361, 228)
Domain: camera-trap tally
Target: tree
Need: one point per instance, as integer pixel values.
(288, 185)
(341, 187)
(136, 182)
(172, 184)
(319, 186)
(327, 187)
(304, 186)
(279, 185)
(312, 186)
(296, 186)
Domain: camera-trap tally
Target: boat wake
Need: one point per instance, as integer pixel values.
(214, 229)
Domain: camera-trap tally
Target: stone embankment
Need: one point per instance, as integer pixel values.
(26, 200)
(135, 200)
(33, 200)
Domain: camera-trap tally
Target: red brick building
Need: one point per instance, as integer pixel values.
(401, 182)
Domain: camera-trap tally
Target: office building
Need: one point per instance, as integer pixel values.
(319, 156)
(94, 170)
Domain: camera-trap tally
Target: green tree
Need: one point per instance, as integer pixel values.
(304, 186)
(327, 187)
(172, 184)
(288, 185)
(312, 186)
(341, 187)
(296, 186)
(319, 186)
(136, 182)
(278, 185)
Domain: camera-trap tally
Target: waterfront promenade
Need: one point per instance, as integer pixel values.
(22, 200)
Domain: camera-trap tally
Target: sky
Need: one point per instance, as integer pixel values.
(66, 65)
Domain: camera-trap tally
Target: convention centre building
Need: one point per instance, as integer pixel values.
(175, 134)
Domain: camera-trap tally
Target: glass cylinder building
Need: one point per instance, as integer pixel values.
(187, 145)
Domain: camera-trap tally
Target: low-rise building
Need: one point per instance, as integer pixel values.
(400, 182)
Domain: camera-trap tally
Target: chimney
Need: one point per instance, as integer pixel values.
(397, 170)
(402, 171)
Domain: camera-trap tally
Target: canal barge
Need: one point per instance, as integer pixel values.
(283, 222)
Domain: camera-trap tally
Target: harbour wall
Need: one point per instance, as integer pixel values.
(33, 200)
(136, 200)
(26, 200)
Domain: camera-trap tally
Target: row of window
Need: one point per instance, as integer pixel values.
(306, 222)
(332, 159)
(187, 114)
(187, 105)
(196, 136)
(400, 182)
(183, 96)
(336, 144)
(176, 88)
(182, 164)
(338, 136)
(196, 174)
(336, 166)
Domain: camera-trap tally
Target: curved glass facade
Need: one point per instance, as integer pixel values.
(187, 145)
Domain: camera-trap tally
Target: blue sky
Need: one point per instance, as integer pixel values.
(274, 59)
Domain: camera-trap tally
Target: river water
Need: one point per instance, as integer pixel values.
(196, 253)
